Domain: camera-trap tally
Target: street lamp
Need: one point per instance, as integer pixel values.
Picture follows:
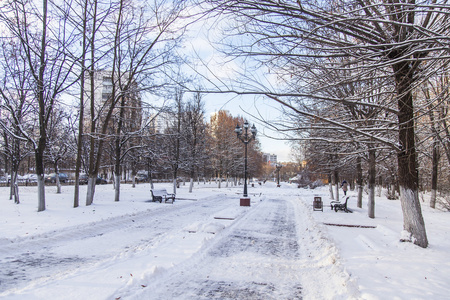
(245, 138)
(278, 166)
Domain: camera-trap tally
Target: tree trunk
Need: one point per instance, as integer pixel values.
(434, 173)
(11, 185)
(93, 171)
(41, 183)
(57, 181)
(16, 193)
(76, 196)
(174, 185)
(359, 181)
(435, 158)
(114, 180)
(372, 174)
(90, 190)
(191, 185)
(379, 186)
(117, 187)
(41, 192)
(151, 179)
(330, 186)
(43, 111)
(133, 174)
(117, 163)
(413, 222)
(336, 183)
(14, 189)
(58, 184)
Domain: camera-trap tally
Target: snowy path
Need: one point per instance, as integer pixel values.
(206, 249)
(256, 258)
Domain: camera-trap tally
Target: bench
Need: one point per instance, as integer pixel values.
(337, 205)
(158, 195)
(317, 204)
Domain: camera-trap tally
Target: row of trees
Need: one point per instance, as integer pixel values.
(53, 53)
(191, 148)
(175, 141)
(359, 80)
(51, 49)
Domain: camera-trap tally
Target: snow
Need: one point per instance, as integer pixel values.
(206, 246)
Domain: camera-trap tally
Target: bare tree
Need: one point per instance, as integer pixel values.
(141, 50)
(58, 148)
(173, 136)
(366, 114)
(85, 19)
(432, 133)
(45, 44)
(404, 41)
(194, 136)
(17, 109)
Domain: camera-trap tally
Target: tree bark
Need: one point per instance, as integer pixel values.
(117, 187)
(41, 191)
(41, 184)
(117, 149)
(92, 172)
(413, 222)
(76, 197)
(174, 185)
(372, 174)
(336, 183)
(359, 181)
(42, 142)
(91, 189)
(435, 157)
(191, 185)
(16, 193)
(379, 186)
(330, 186)
(434, 173)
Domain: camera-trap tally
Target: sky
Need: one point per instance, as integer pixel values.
(215, 71)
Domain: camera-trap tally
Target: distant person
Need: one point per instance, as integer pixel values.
(344, 186)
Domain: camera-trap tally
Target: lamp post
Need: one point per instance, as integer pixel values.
(245, 137)
(278, 166)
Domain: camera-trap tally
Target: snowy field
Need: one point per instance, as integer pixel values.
(206, 246)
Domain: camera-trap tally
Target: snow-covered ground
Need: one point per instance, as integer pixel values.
(206, 246)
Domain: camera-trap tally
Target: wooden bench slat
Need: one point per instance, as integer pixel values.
(337, 205)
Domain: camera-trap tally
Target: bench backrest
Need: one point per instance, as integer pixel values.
(159, 192)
